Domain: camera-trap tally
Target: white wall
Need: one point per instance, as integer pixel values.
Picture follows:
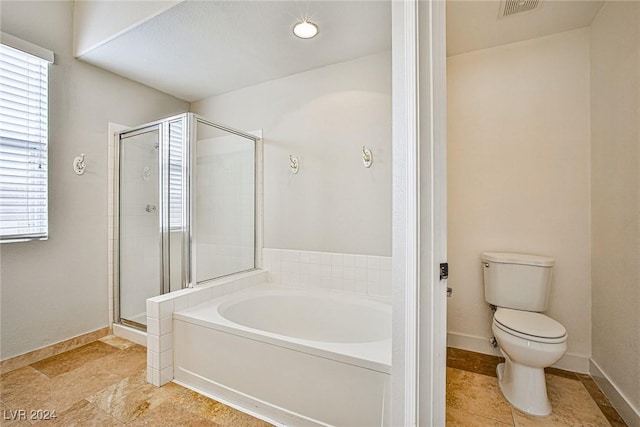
(323, 116)
(97, 21)
(615, 209)
(56, 289)
(518, 176)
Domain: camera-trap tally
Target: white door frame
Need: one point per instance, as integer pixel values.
(419, 213)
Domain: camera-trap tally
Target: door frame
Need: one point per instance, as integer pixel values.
(418, 382)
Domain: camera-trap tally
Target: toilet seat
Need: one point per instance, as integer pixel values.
(530, 326)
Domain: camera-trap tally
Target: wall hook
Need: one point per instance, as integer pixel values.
(294, 164)
(146, 173)
(79, 165)
(367, 157)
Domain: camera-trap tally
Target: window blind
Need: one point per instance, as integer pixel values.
(23, 145)
(175, 175)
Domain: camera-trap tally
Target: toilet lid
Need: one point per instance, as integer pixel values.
(530, 323)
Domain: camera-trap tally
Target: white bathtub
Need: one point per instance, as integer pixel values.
(294, 356)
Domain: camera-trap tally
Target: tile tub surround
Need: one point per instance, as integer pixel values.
(360, 274)
(160, 318)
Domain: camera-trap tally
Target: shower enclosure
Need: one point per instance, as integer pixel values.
(186, 194)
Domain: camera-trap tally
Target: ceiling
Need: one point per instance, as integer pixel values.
(474, 24)
(199, 49)
(202, 48)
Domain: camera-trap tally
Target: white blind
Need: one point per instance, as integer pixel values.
(23, 145)
(175, 175)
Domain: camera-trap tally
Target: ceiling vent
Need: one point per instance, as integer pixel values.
(511, 7)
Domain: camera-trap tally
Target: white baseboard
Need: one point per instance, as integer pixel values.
(618, 399)
(574, 362)
(131, 334)
(471, 343)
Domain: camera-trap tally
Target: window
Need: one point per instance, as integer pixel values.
(24, 70)
(175, 174)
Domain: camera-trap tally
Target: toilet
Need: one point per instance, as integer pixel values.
(518, 286)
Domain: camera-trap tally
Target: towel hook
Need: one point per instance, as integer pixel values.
(294, 164)
(367, 157)
(79, 165)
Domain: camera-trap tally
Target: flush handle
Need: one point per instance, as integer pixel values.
(449, 292)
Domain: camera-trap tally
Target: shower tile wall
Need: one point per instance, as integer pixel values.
(360, 274)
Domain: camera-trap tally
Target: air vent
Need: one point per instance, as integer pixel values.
(511, 7)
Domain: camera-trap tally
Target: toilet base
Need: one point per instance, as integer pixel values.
(524, 387)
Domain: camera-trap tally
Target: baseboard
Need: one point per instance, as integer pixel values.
(573, 362)
(34, 356)
(618, 399)
(471, 343)
(138, 337)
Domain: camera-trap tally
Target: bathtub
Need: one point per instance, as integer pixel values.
(291, 356)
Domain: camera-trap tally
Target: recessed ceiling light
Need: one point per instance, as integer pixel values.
(305, 29)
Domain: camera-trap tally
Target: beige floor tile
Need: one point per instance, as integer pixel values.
(117, 342)
(459, 418)
(217, 412)
(98, 387)
(25, 388)
(594, 391)
(42, 353)
(561, 373)
(477, 394)
(130, 398)
(465, 360)
(11, 417)
(612, 416)
(169, 415)
(572, 405)
(81, 414)
(71, 387)
(123, 363)
(73, 359)
(473, 362)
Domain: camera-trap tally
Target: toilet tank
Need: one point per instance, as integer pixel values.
(517, 281)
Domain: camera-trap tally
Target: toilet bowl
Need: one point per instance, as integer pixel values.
(529, 342)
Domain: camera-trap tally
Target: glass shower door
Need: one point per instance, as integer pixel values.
(140, 231)
(186, 209)
(224, 207)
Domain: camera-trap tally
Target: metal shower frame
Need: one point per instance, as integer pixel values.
(189, 138)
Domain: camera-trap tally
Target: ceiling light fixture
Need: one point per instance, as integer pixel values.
(305, 29)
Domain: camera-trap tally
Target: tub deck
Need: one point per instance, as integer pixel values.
(374, 355)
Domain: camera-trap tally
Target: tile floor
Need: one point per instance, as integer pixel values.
(104, 384)
(474, 399)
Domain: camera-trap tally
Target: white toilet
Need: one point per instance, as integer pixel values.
(518, 285)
